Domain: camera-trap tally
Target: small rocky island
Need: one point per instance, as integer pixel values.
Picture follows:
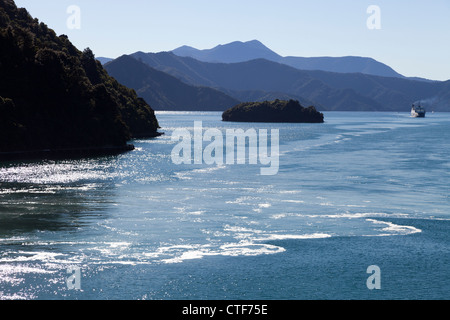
(273, 111)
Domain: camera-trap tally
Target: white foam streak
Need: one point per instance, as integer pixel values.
(395, 228)
(32, 256)
(294, 236)
(231, 249)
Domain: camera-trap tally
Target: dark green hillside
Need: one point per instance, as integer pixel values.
(53, 96)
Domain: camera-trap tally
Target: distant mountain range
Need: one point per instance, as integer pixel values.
(163, 91)
(104, 60)
(230, 53)
(327, 90)
(251, 72)
(238, 51)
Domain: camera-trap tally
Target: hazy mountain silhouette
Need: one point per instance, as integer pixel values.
(104, 60)
(230, 53)
(328, 90)
(342, 65)
(245, 51)
(165, 92)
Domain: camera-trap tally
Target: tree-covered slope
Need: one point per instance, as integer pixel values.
(53, 96)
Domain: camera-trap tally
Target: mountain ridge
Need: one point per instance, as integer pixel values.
(239, 51)
(233, 52)
(331, 90)
(164, 91)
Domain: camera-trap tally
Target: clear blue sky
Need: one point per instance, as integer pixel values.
(414, 38)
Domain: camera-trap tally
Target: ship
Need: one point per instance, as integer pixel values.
(418, 111)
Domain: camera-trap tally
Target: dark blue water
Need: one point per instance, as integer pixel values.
(362, 189)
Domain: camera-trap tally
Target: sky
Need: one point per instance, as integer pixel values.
(411, 36)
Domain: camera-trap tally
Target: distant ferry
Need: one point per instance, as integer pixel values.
(418, 111)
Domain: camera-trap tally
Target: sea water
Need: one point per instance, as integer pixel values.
(360, 190)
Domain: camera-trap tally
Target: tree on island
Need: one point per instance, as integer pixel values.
(273, 111)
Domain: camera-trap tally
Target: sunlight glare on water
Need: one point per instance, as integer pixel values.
(358, 176)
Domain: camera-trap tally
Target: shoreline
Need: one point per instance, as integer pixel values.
(69, 153)
(73, 153)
